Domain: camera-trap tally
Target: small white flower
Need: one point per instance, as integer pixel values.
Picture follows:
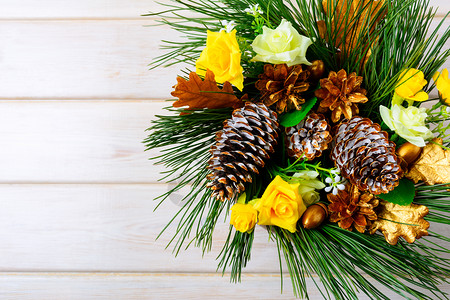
(335, 183)
(447, 109)
(335, 171)
(228, 25)
(254, 10)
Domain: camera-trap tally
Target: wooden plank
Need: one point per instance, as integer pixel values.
(76, 141)
(118, 286)
(86, 60)
(83, 60)
(82, 9)
(107, 228)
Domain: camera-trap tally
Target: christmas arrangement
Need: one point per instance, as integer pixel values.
(315, 120)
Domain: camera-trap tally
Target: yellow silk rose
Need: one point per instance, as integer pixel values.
(443, 85)
(280, 205)
(282, 45)
(409, 87)
(223, 57)
(409, 123)
(243, 217)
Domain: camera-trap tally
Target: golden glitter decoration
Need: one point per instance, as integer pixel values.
(433, 165)
(396, 221)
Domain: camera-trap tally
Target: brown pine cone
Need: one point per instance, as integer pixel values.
(350, 208)
(241, 149)
(340, 94)
(365, 156)
(281, 86)
(309, 138)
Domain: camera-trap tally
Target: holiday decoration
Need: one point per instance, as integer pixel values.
(314, 215)
(309, 138)
(408, 153)
(340, 94)
(365, 156)
(433, 164)
(282, 86)
(401, 221)
(197, 93)
(246, 141)
(350, 208)
(308, 119)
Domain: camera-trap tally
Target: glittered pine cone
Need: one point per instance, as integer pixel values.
(309, 138)
(351, 208)
(241, 149)
(340, 94)
(365, 156)
(281, 86)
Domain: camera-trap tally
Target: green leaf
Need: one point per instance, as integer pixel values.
(403, 194)
(295, 117)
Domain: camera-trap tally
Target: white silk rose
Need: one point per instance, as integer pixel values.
(282, 45)
(409, 123)
(309, 184)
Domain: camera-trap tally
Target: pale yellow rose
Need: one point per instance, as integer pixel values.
(409, 87)
(282, 45)
(443, 85)
(223, 57)
(309, 184)
(280, 205)
(409, 123)
(243, 217)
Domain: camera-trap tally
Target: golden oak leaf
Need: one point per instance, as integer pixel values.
(433, 165)
(197, 93)
(395, 220)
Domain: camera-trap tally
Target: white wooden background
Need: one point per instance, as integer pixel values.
(76, 188)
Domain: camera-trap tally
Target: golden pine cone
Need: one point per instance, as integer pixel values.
(350, 208)
(281, 86)
(341, 93)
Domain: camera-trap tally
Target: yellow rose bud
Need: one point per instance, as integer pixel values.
(243, 217)
(280, 205)
(443, 85)
(223, 57)
(282, 45)
(409, 87)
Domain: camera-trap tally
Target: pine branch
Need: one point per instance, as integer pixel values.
(186, 139)
(338, 256)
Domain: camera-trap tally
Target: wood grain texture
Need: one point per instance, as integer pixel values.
(76, 141)
(106, 228)
(101, 9)
(83, 60)
(86, 60)
(117, 286)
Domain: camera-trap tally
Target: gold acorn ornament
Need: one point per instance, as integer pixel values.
(408, 153)
(314, 215)
(316, 70)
